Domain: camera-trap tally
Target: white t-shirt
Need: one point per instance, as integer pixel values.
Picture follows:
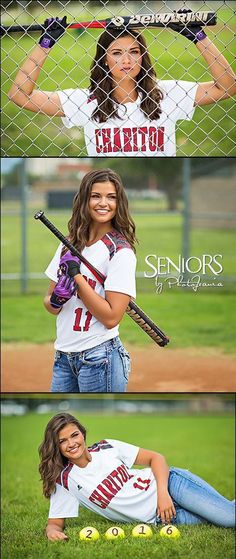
(77, 329)
(134, 135)
(108, 485)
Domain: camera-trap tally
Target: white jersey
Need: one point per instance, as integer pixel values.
(108, 485)
(133, 135)
(77, 328)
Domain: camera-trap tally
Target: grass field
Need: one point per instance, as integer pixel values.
(205, 318)
(25, 510)
(211, 132)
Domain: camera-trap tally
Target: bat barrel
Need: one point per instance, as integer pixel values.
(140, 21)
(147, 324)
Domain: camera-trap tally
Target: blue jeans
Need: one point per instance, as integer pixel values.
(104, 368)
(196, 502)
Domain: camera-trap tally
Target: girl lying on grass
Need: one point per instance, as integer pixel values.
(102, 478)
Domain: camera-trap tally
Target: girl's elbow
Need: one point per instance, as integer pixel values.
(110, 323)
(15, 97)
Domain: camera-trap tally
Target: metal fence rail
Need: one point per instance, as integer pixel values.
(176, 60)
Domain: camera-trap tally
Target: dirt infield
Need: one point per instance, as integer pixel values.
(27, 368)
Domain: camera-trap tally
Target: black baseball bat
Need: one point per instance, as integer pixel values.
(132, 310)
(131, 22)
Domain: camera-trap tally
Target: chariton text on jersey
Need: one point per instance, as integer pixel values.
(133, 139)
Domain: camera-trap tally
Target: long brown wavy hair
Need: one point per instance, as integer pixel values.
(52, 461)
(102, 85)
(79, 223)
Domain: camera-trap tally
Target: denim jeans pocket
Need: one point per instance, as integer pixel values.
(95, 356)
(126, 361)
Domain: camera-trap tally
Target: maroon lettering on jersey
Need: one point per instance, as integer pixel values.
(129, 140)
(111, 477)
(135, 139)
(124, 473)
(152, 138)
(97, 140)
(106, 139)
(117, 140)
(109, 496)
(101, 496)
(143, 131)
(110, 486)
(98, 500)
(161, 138)
(142, 484)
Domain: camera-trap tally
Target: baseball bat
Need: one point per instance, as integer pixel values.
(132, 310)
(131, 22)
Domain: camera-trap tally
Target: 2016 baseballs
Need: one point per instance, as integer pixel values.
(170, 531)
(114, 533)
(89, 534)
(142, 531)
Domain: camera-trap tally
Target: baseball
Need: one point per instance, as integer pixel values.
(170, 531)
(114, 532)
(142, 531)
(88, 534)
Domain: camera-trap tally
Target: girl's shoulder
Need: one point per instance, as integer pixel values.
(101, 445)
(115, 241)
(64, 475)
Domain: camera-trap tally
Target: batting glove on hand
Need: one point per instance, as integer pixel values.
(54, 29)
(65, 288)
(191, 31)
(69, 265)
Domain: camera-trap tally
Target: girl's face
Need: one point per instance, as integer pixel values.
(124, 58)
(102, 202)
(72, 443)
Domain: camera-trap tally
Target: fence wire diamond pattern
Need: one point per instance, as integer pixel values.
(103, 114)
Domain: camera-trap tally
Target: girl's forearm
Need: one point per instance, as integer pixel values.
(99, 307)
(222, 73)
(49, 307)
(28, 74)
(160, 470)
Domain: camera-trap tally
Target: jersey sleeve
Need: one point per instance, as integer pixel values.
(180, 97)
(121, 273)
(125, 451)
(63, 504)
(51, 270)
(74, 103)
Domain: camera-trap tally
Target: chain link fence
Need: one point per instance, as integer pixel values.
(145, 124)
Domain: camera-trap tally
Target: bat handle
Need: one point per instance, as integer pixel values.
(39, 214)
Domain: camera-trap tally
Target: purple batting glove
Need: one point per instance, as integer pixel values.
(69, 265)
(54, 29)
(191, 31)
(63, 291)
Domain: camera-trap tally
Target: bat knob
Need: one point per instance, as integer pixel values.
(39, 214)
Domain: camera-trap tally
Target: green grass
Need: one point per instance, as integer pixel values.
(24, 133)
(25, 510)
(205, 318)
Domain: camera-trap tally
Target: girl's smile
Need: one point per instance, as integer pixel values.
(72, 445)
(102, 203)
